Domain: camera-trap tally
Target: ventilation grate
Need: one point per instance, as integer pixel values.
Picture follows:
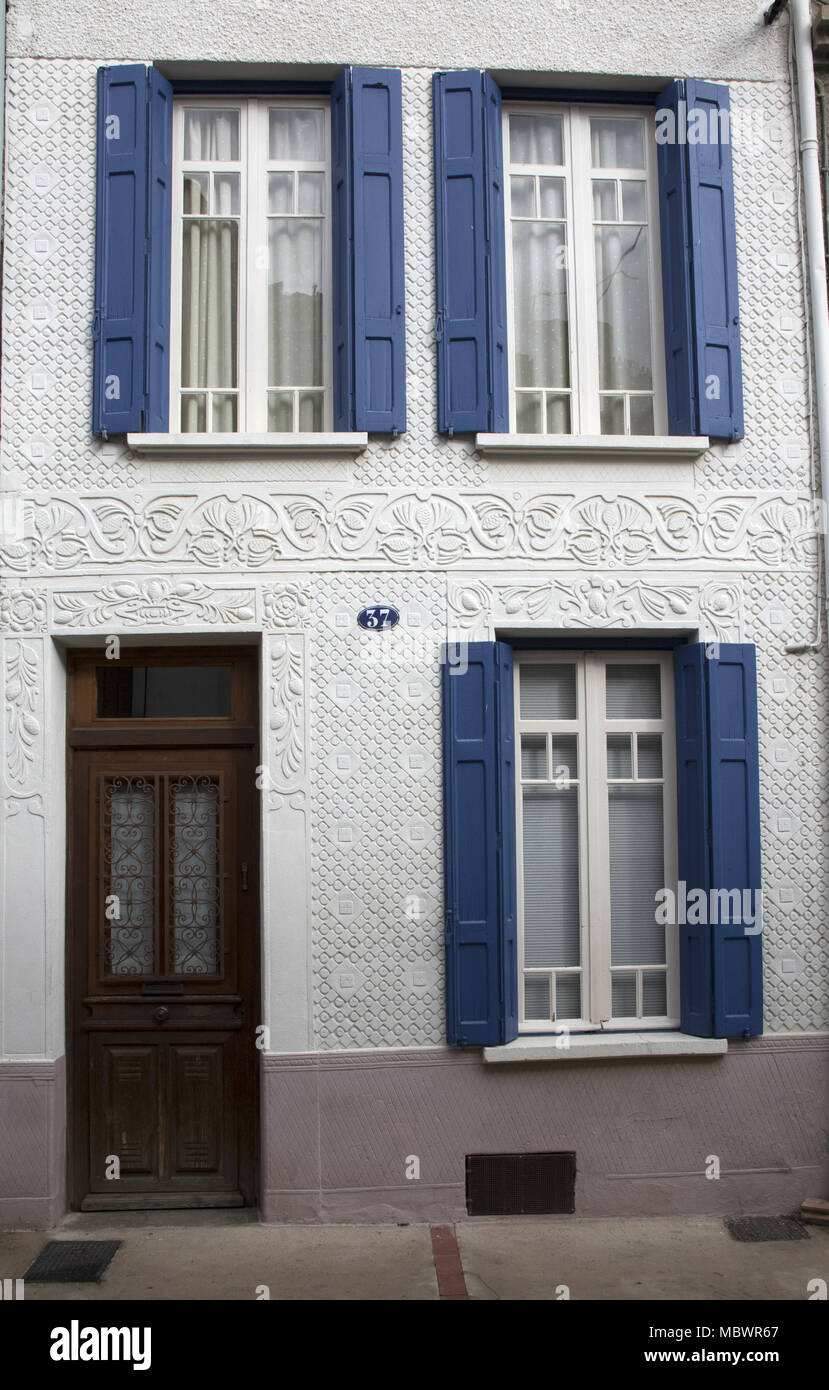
(766, 1228)
(71, 1262)
(537, 1184)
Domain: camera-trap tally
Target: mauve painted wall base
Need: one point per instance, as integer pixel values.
(338, 1129)
(32, 1144)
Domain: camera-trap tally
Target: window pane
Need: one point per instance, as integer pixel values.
(623, 1000)
(649, 755)
(528, 412)
(617, 142)
(280, 193)
(536, 139)
(280, 412)
(193, 414)
(533, 755)
(223, 415)
(637, 872)
(195, 884)
(537, 997)
(542, 347)
(633, 692)
(654, 994)
(522, 197)
(551, 877)
(311, 191)
(623, 297)
(548, 691)
(558, 415)
(565, 757)
(226, 195)
(634, 204)
(211, 134)
(209, 303)
(296, 133)
(641, 415)
(196, 194)
(310, 411)
(568, 996)
(163, 692)
(604, 200)
(619, 762)
(612, 411)
(295, 302)
(551, 197)
(129, 856)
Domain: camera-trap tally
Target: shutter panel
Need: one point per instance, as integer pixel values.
(714, 258)
(478, 809)
(719, 838)
(159, 236)
(120, 282)
(470, 254)
(379, 321)
(696, 1001)
(342, 254)
(672, 161)
(735, 839)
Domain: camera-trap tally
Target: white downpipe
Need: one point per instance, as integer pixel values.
(815, 242)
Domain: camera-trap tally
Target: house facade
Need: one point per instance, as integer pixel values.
(412, 625)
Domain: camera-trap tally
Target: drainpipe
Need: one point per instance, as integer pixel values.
(801, 21)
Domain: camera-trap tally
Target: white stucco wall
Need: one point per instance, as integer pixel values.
(287, 551)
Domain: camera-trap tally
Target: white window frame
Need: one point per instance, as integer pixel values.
(252, 331)
(577, 173)
(591, 727)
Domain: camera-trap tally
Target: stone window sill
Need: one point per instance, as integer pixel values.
(591, 1047)
(262, 445)
(601, 448)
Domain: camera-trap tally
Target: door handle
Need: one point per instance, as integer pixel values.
(244, 876)
(161, 1014)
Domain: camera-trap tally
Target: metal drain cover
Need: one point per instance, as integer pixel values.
(71, 1261)
(766, 1228)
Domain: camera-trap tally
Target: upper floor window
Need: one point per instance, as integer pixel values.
(583, 276)
(251, 266)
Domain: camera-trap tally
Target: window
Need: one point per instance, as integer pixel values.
(249, 262)
(251, 266)
(596, 840)
(583, 280)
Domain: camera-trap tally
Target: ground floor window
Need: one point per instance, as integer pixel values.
(596, 839)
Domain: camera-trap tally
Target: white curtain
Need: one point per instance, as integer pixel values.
(295, 302)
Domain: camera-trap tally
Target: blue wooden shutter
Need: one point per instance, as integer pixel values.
(479, 813)
(714, 262)
(132, 251)
(719, 838)
(379, 320)
(369, 324)
(672, 164)
(699, 261)
(735, 838)
(120, 280)
(694, 869)
(342, 257)
(159, 245)
(470, 254)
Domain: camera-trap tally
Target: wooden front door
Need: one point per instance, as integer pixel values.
(164, 936)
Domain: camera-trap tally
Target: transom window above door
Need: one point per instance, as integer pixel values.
(251, 305)
(583, 275)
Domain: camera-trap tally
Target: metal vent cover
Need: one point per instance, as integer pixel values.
(71, 1262)
(534, 1184)
(756, 1228)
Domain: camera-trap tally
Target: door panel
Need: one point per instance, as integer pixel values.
(164, 955)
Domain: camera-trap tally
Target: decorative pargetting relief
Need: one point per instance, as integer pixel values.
(417, 530)
(287, 712)
(22, 610)
(154, 601)
(23, 727)
(476, 608)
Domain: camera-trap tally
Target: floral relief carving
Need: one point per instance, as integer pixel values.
(22, 610)
(596, 530)
(22, 696)
(286, 605)
(287, 712)
(155, 601)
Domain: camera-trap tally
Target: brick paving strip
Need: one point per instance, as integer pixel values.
(448, 1267)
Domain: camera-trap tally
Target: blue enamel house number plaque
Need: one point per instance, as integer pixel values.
(377, 618)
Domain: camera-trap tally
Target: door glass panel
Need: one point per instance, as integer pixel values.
(129, 874)
(195, 875)
(164, 692)
(551, 877)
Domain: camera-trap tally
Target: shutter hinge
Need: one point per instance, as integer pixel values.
(439, 327)
(448, 925)
(96, 325)
(451, 431)
(146, 246)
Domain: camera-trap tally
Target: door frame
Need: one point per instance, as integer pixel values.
(85, 731)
